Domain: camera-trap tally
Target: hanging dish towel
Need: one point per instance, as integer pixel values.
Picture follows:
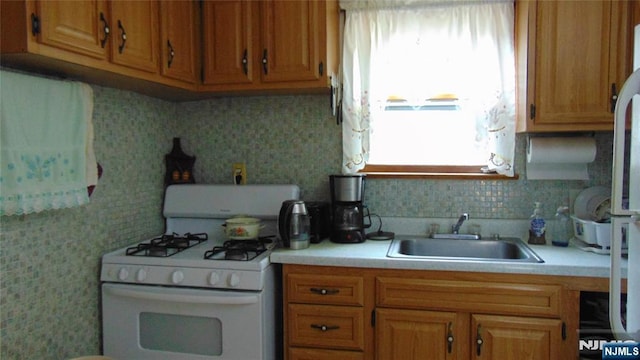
(46, 144)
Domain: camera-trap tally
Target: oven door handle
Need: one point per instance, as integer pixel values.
(236, 299)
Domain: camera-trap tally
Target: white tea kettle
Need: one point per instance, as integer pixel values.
(294, 224)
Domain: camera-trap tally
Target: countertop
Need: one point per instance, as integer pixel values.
(562, 261)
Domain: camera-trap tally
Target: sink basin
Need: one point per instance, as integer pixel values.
(503, 250)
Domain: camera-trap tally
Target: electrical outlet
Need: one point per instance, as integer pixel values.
(239, 174)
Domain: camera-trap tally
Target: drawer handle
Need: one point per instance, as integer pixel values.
(322, 291)
(325, 327)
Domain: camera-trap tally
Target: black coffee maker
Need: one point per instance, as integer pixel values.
(348, 212)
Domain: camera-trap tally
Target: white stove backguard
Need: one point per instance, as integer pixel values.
(224, 201)
(201, 208)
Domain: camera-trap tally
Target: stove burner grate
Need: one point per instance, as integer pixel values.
(166, 245)
(238, 250)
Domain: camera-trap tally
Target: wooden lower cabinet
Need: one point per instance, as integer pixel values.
(385, 314)
(514, 337)
(419, 334)
(469, 318)
(327, 313)
(323, 354)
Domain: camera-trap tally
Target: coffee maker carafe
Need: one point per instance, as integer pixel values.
(347, 208)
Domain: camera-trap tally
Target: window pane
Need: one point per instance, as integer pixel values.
(425, 137)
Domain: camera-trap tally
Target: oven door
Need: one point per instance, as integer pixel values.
(152, 322)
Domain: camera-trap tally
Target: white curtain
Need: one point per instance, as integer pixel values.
(427, 48)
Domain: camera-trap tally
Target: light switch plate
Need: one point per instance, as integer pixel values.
(239, 174)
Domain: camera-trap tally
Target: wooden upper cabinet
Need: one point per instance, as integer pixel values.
(134, 34)
(178, 29)
(80, 27)
(292, 38)
(83, 40)
(573, 58)
(268, 44)
(160, 47)
(228, 51)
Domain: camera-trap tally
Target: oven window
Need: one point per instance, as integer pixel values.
(181, 333)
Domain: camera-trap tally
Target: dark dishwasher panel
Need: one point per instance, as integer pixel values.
(594, 323)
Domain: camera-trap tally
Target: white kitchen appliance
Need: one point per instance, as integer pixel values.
(625, 215)
(191, 294)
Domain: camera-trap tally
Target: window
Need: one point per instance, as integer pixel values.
(429, 88)
(436, 132)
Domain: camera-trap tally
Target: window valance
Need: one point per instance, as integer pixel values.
(382, 4)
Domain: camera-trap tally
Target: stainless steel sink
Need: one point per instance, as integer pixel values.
(500, 250)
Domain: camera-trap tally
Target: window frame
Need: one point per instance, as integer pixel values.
(453, 172)
(408, 171)
(362, 94)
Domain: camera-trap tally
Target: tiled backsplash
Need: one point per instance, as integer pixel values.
(49, 262)
(295, 139)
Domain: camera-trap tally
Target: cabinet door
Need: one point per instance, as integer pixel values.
(227, 29)
(417, 334)
(293, 40)
(177, 38)
(580, 62)
(134, 27)
(515, 338)
(78, 26)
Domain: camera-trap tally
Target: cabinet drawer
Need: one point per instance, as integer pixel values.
(476, 296)
(325, 289)
(322, 354)
(335, 327)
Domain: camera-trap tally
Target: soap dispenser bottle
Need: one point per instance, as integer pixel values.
(537, 228)
(562, 235)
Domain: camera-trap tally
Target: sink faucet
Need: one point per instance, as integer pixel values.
(456, 227)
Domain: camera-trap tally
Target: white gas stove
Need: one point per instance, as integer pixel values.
(177, 259)
(187, 268)
(192, 278)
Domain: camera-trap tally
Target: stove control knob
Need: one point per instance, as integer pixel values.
(234, 280)
(177, 277)
(214, 278)
(123, 274)
(141, 275)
